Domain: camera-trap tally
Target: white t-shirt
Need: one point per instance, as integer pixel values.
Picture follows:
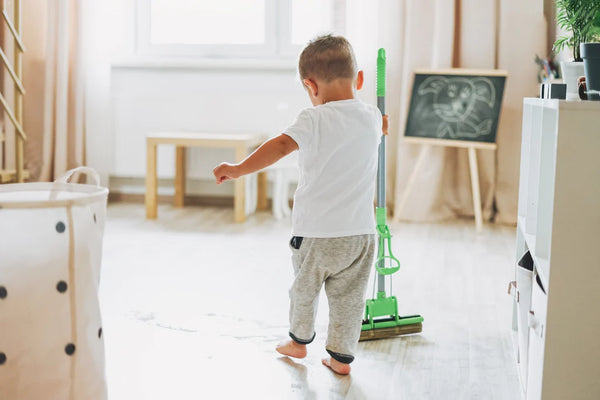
(338, 144)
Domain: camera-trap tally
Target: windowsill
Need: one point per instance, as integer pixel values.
(265, 64)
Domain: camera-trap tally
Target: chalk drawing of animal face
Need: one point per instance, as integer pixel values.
(454, 101)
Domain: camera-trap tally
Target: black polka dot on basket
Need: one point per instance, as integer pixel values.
(3, 292)
(95, 218)
(70, 349)
(2, 358)
(100, 333)
(60, 227)
(62, 286)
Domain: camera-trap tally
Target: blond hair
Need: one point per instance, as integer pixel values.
(328, 58)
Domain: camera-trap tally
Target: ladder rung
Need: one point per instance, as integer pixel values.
(12, 118)
(16, 79)
(14, 32)
(10, 175)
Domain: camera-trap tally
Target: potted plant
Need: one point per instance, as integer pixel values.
(576, 18)
(590, 52)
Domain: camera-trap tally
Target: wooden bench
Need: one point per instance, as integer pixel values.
(242, 144)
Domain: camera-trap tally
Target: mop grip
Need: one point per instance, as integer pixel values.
(381, 73)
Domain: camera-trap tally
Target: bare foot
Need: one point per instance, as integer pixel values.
(336, 366)
(292, 349)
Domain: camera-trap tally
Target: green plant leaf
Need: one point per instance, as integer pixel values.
(561, 43)
(580, 19)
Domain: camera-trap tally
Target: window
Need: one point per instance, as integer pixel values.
(207, 22)
(234, 28)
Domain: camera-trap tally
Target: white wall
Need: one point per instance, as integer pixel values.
(200, 98)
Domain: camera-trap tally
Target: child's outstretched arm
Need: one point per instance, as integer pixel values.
(268, 153)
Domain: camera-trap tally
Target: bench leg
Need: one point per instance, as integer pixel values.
(239, 189)
(179, 176)
(151, 181)
(261, 201)
(239, 200)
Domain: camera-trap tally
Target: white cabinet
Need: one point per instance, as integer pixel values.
(559, 224)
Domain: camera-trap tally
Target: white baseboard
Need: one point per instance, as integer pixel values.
(166, 186)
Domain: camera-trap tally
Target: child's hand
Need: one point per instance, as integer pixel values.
(386, 125)
(225, 171)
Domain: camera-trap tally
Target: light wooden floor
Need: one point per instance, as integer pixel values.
(193, 306)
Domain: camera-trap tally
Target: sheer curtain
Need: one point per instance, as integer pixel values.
(483, 34)
(54, 80)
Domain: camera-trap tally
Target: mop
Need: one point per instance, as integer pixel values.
(381, 313)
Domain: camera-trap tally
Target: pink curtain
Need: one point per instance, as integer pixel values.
(53, 78)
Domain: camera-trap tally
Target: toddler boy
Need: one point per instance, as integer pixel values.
(333, 223)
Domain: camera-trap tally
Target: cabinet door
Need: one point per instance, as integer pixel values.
(537, 336)
(524, 287)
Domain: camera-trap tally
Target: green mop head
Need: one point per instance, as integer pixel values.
(381, 313)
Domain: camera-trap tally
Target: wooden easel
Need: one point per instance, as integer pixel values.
(471, 148)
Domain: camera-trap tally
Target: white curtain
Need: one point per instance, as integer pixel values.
(484, 34)
(53, 70)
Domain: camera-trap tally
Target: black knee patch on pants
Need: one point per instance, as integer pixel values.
(343, 358)
(302, 341)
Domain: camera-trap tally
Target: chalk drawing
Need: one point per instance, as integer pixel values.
(455, 100)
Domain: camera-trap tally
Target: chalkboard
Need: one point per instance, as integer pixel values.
(456, 105)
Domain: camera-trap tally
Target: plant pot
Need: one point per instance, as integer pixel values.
(590, 52)
(571, 71)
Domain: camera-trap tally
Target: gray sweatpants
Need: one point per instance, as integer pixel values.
(343, 264)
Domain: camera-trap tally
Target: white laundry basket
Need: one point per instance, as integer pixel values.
(51, 344)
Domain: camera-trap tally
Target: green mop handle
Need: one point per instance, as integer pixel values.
(380, 77)
(381, 211)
